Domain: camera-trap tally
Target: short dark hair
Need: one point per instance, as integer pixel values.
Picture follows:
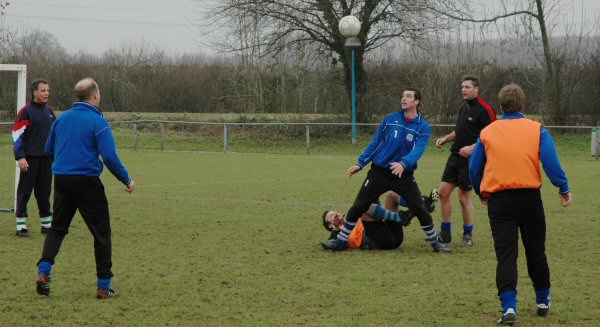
(35, 84)
(325, 223)
(472, 78)
(84, 92)
(512, 98)
(418, 95)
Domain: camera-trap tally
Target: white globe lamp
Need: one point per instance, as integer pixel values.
(349, 27)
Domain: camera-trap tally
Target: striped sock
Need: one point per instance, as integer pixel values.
(45, 268)
(346, 230)
(468, 229)
(21, 223)
(46, 221)
(380, 212)
(104, 283)
(431, 235)
(508, 300)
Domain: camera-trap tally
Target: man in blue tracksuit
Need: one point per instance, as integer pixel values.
(77, 140)
(29, 138)
(398, 144)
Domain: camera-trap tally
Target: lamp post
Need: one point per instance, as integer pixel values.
(349, 26)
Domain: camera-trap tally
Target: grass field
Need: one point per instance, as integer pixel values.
(210, 239)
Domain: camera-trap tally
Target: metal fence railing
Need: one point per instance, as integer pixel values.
(161, 132)
(160, 128)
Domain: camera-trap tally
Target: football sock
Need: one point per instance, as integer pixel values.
(446, 226)
(468, 229)
(402, 202)
(542, 296)
(104, 283)
(380, 212)
(46, 221)
(430, 233)
(21, 223)
(508, 300)
(346, 230)
(45, 268)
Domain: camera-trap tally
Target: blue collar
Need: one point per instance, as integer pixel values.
(87, 106)
(416, 119)
(513, 115)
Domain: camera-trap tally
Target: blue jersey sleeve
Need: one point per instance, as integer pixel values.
(550, 162)
(477, 166)
(376, 142)
(108, 150)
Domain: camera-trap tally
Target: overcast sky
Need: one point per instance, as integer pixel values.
(96, 26)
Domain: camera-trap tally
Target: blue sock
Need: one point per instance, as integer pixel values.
(446, 226)
(402, 202)
(380, 212)
(542, 296)
(468, 229)
(104, 283)
(45, 268)
(508, 300)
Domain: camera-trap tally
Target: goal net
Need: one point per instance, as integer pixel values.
(9, 171)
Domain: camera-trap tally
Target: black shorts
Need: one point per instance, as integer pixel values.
(457, 172)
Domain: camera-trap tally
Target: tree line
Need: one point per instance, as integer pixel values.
(138, 78)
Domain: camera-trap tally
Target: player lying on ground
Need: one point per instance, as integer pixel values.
(378, 228)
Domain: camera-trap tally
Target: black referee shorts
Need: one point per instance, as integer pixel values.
(457, 172)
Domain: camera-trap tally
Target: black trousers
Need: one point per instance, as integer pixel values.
(86, 194)
(39, 180)
(380, 180)
(509, 212)
(386, 235)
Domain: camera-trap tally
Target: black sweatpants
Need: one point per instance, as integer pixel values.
(380, 180)
(509, 212)
(86, 194)
(386, 235)
(38, 178)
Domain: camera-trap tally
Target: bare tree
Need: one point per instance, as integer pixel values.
(533, 23)
(5, 34)
(302, 23)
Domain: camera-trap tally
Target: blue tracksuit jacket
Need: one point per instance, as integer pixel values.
(397, 140)
(77, 140)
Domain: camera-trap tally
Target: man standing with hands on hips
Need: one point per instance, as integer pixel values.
(77, 140)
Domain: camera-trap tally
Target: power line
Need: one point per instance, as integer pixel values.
(97, 7)
(88, 20)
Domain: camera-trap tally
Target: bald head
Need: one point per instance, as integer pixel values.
(87, 90)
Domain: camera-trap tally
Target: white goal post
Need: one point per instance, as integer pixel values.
(21, 101)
